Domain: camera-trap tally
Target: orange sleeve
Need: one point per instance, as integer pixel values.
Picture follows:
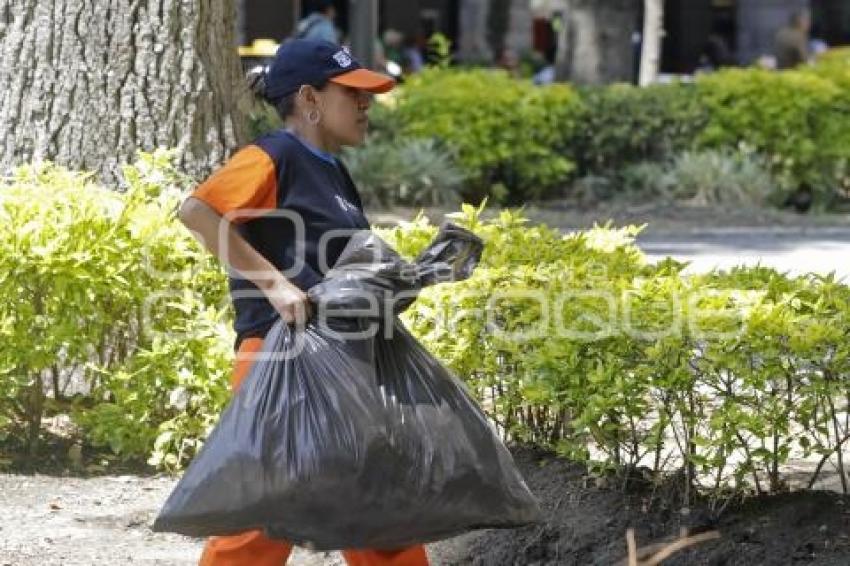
(247, 182)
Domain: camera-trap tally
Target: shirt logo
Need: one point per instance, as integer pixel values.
(342, 58)
(345, 205)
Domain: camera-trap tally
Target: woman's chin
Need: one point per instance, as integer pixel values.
(357, 139)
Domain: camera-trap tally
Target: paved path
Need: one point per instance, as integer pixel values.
(797, 251)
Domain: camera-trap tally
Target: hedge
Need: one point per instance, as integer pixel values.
(573, 342)
(622, 124)
(518, 142)
(798, 119)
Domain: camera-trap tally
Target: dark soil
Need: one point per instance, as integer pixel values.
(63, 456)
(586, 523)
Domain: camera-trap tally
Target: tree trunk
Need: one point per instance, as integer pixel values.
(520, 27)
(88, 84)
(35, 413)
(653, 30)
(498, 23)
(595, 41)
(473, 46)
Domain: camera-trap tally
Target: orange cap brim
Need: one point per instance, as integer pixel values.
(364, 79)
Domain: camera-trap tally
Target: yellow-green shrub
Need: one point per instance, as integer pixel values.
(727, 375)
(95, 281)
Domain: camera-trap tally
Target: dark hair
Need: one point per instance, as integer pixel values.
(285, 106)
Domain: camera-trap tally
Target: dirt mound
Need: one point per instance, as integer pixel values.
(586, 524)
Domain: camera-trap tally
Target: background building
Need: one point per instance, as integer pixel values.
(275, 19)
(733, 31)
(745, 27)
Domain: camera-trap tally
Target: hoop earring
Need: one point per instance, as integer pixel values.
(314, 117)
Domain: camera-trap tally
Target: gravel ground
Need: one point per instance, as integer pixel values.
(72, 521)
(61, 520)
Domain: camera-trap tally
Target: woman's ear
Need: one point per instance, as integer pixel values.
(309, 95)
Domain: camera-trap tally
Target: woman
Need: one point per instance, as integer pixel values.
(268, 214)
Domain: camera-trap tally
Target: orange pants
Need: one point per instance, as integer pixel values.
(253, 548)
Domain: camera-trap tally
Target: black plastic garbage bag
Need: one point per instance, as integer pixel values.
(348, 433)
(370, 279)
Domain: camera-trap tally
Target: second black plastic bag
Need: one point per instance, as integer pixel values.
(349, 434)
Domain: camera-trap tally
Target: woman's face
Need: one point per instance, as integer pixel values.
(344, 113)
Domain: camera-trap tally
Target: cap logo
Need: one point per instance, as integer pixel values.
(342, 58)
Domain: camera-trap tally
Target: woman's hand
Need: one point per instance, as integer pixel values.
(290, 301)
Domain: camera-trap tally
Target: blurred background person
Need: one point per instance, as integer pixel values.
(716, 54)
(509, 61)
(413, 60)
(817, 45)
(393, 45)
(792, 41)
(319, 23)
(389, 48)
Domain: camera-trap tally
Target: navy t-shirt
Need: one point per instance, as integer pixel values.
(296, 205)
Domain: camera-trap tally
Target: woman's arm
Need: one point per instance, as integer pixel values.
(232, 249)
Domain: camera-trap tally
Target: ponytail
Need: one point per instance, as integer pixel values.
(256, 79)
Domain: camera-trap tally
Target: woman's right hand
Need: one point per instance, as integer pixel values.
(291, 302)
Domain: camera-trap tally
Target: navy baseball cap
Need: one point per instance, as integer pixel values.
(312, 62)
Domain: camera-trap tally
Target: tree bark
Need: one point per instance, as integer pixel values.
(595, 41)
(473, 47)
(520, 27)
(88, 84)
(498, 23)
(653, 30)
